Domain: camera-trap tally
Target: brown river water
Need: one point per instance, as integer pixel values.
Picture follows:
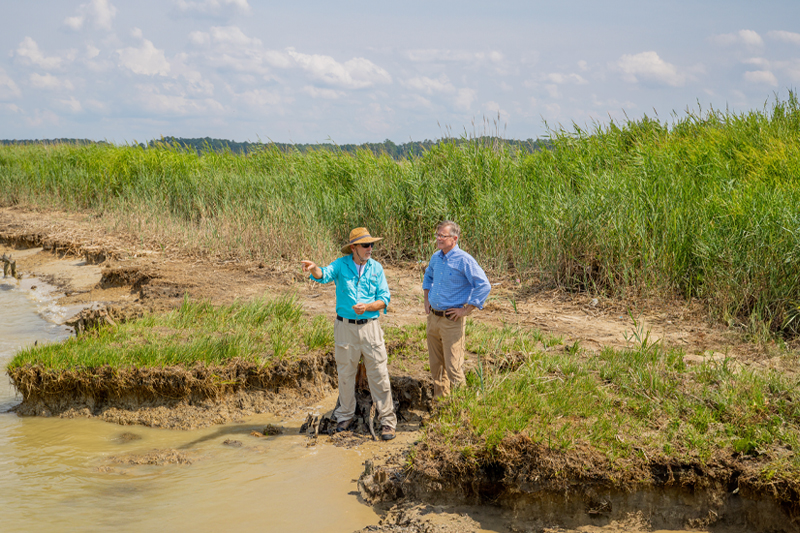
(72, 475)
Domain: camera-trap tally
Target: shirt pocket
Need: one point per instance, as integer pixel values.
(369, 286)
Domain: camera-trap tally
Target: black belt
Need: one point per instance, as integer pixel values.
(359, 321)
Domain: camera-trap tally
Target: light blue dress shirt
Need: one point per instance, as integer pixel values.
(351, 288)
(455, 279)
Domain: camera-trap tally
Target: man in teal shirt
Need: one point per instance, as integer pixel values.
(361, 293)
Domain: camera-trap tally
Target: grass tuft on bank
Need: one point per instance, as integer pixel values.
(258, 331)
(636, 407)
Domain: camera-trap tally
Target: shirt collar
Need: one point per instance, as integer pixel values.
(353, 262)
(448, 254)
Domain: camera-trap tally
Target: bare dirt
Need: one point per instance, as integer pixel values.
(116, 276)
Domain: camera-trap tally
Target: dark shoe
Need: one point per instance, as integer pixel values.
(387, 433)
(344, 425)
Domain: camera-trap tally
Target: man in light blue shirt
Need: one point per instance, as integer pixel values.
(361, 293)
(454, 285)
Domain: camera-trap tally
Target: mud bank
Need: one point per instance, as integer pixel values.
(188, 398)
(540, 488)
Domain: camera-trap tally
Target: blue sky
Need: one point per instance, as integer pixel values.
(354, 71)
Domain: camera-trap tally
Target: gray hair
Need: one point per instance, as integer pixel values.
(455, 229)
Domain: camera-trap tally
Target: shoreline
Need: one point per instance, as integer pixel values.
(129, 282)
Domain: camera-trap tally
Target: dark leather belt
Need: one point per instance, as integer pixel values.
(438, 313)
(360, 321)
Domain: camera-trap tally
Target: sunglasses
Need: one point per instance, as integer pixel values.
(367, 245)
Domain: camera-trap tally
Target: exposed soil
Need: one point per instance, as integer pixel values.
(113, 277)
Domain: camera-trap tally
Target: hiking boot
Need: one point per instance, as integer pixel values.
(344, 425)
(387, 433)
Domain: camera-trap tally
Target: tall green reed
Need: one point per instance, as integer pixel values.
(704, 206)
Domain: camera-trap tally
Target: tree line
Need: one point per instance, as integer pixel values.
(388, 147)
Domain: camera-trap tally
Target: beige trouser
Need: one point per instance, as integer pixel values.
(353, 340)
(445, 352)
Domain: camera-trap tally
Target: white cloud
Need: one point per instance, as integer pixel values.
(316, 92)
(48, 81)
(8, 89)
(230, 48)
(495, 110)
(757, 61)
(261, 100)
(152, 99)
(72, 105)
(745, 37)
(147, 59)
(464, 99)
(494, 59)
(213, 6)
(429, 86)
(96, 106)
(100, 13)
(376, 118)
(11, 108)
(793, 70)
(414, 101)
(29, 51)
(357, 73)
(562, 79)
(41, 118)
(761, 77)
(553, 110)
(431, 55)
(785, 36)
(648, 66)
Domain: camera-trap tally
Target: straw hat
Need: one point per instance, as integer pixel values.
(359, 236)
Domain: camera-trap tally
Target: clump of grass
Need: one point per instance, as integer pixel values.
(258, 331)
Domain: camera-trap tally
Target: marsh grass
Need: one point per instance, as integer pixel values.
(705, 206)
(639, 404)
(259, 331)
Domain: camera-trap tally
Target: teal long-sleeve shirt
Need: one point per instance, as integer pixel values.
(351, 288)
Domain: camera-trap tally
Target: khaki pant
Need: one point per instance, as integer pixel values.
(352, 341)
(445, 352)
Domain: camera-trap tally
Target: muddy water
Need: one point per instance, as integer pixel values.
(75, 475)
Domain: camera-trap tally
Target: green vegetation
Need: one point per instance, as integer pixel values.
(705, 207)
(642, 405)
(260, 332)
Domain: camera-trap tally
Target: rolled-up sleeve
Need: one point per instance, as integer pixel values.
(328, 273)
(480, 284)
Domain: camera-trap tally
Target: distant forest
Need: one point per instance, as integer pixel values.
(397, 151)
